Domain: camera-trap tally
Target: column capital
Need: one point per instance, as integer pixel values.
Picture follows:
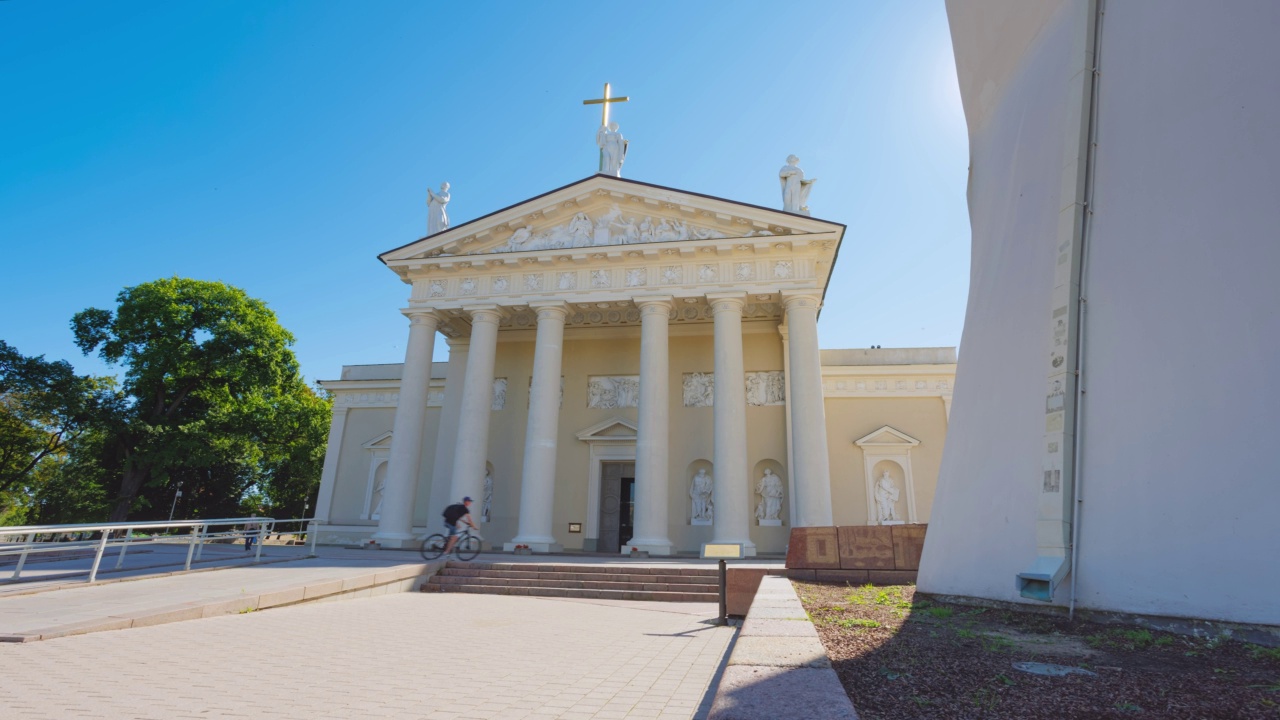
(548, 309)
(654, 303)
(484, 313)
(422, 316)
(801, 299)
(733, 300)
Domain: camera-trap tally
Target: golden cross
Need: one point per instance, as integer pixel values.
(604, 116)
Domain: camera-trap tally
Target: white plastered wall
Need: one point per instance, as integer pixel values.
(1177, 471)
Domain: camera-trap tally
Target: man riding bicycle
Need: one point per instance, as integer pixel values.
(454, 516)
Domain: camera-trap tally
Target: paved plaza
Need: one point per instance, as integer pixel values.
(404, 655)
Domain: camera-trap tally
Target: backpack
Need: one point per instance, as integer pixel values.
(454, 513)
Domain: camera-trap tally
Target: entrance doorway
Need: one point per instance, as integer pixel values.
(617, 505)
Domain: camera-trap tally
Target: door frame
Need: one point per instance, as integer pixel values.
(600, 454)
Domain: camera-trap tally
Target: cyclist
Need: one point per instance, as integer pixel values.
(454, 515)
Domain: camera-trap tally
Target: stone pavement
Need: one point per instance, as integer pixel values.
(80, 608)
(405, 655)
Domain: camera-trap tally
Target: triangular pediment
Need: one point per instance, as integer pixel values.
(886, 436)
(381, 442)
(603, 211)
(615, 429)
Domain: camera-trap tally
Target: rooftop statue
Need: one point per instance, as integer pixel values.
(795, 189)
(437, 220)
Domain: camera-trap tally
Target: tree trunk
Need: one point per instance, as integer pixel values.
(129, 484)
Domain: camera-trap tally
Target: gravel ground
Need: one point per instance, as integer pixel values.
(903, 659)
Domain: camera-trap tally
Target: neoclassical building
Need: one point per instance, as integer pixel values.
(630, 366)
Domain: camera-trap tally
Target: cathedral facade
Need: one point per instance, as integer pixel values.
(630, 366)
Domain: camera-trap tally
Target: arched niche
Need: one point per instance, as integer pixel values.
(889, 449)
(379, 449)
(759, 506)
(690, 475)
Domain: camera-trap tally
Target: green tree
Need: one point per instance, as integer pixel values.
(44, 407)
(210, 382)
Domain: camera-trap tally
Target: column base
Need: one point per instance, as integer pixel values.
(535, 546)
(653, 547)
(396, 541)
(748, 547)
(770, 523)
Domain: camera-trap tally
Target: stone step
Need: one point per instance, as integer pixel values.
(618, 584)
(575, 593)
(575, 568)
(514, 575)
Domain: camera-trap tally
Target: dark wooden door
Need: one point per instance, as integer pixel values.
(617, 503)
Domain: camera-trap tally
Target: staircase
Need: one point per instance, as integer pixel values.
(612, 582)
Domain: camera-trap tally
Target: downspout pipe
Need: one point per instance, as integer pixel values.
(1077, 490)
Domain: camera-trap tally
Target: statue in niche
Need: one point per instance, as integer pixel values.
(795, 189)
(437, 219)
(613, 149)
(886, 499)
(700, 493)
(379, 492)
(770, 491)
(488, 496)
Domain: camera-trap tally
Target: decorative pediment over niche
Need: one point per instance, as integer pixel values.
(615, 429)
(887, 436)
(381, 442)
(603, 211)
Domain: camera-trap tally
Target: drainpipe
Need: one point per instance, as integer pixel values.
(1077, 486)
(1060, 500)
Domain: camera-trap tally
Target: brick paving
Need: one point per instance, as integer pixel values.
(402, 655)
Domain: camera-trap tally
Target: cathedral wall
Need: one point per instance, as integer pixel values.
(363, 425)
(849, 419)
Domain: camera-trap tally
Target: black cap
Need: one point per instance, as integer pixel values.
(467, 499)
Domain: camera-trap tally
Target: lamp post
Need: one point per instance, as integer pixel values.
(177, 493)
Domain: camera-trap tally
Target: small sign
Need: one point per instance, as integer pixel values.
(722, 551)
(575, 527)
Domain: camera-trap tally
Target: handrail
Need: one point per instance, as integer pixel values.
(256, 529)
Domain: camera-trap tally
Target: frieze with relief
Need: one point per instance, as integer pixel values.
(611, 227)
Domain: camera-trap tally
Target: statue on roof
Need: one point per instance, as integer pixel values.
(613, 149)
(795, 189)
(437, 220)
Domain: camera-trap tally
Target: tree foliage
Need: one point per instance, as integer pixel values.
(213, 400)
(44, 407)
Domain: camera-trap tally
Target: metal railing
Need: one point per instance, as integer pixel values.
(195, 533)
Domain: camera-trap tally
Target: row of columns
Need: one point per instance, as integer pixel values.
(732, 487)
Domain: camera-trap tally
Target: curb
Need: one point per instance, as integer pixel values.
(779, 669)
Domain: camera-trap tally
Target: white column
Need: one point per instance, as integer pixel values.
(395, 526)
(329, 473)
(538, 483)
(653, 433)
(808, 415)
(477, 400)
(732, 493)
(447, 434)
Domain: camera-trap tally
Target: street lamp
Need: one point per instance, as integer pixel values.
(177, 493)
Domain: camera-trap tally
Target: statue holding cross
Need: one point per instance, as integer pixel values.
(613, 147)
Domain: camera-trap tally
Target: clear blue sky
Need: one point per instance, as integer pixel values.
(280, 146)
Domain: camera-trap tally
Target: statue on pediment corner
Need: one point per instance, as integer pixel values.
(437, 218)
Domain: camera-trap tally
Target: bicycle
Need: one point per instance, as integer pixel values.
(467, 547)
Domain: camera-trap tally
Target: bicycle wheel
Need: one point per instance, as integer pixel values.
(433, 546)
(468, 547)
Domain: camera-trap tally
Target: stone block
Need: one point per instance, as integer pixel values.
(173, 613)
(759, 627)
(813, 547)
(321, 589)
(797, 651)
(908, 544)
(866, 547)
(800, 574)
(773, 613)
(748, 692)
(851, 577)
(740, 588)
(892, 577)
